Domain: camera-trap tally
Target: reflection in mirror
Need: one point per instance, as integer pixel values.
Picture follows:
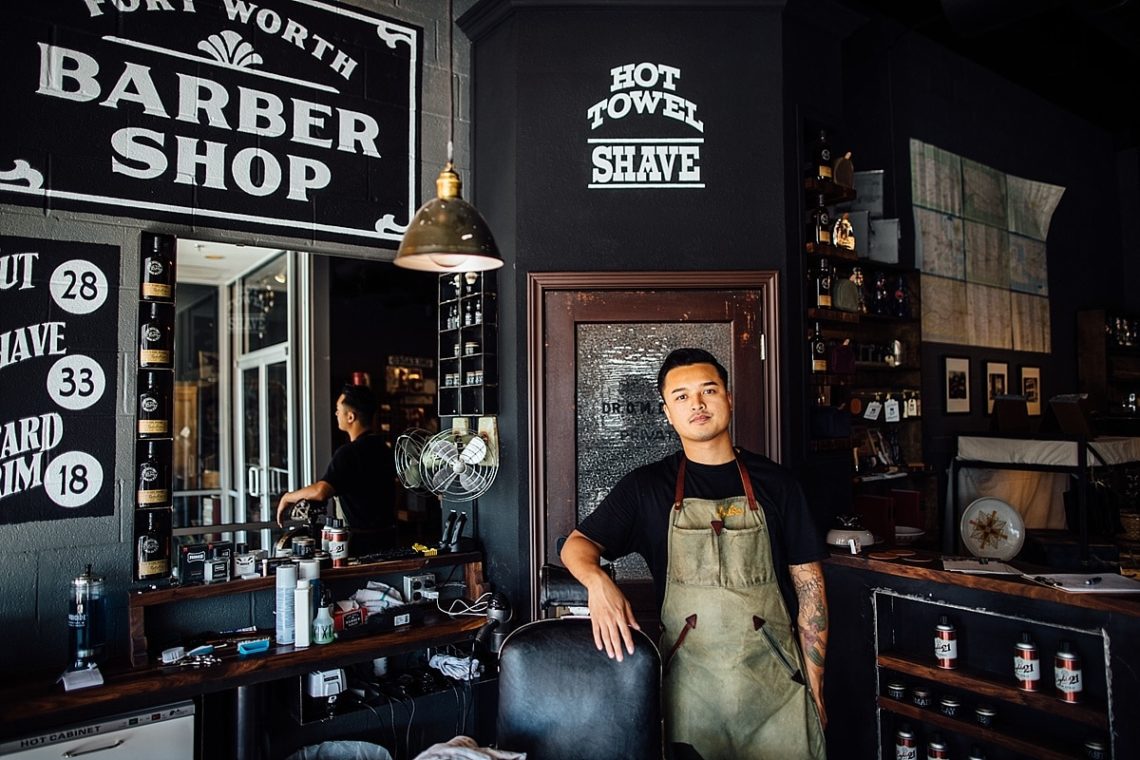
(250, 424)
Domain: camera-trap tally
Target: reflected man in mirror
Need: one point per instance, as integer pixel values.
(735, 561)
(360, 475)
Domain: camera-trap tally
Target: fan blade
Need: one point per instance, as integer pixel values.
(474, 482)
(441, 479)
(444, 450)
(474, 452)
(412, 477)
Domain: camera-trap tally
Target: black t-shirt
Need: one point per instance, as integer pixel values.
(361, 473)
(634, 516)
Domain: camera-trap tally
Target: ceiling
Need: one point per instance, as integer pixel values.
(1083, 55)
(205, 263)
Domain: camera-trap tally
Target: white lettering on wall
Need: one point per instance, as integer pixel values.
(140, 153)
(645, 89)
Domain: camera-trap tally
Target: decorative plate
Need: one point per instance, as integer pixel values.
(992, 528)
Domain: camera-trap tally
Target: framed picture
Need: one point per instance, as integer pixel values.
(957, 384)
(997, 382)
(1031, 389)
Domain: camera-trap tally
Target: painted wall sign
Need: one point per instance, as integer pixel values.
(649, 91)
(293, 116)
(59, 306)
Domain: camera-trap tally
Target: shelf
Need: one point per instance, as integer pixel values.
(832, 193)
(1090, 715)
(30, 702)
(830, 378)
(830, 444)
(833, 315)
(829, 251)
(988, 735)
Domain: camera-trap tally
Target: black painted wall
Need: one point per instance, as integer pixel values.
(763, 76)
(537, 68)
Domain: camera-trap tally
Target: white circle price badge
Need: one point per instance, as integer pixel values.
(73, 479)
(78, 286)
(76, 382)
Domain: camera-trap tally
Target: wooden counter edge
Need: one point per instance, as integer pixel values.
(1124, 604)
(38, 704)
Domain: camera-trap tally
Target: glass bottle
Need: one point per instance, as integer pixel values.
(156, 335)
(86, 620)
(156, 280)
(823, 284)
(817, 236)
(152, 544)
(153, 473)
(902, 299)
(817, 348)
(155, 404)
(820, 168)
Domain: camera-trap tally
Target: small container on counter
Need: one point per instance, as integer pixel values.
(984, 715)
(896, 690)
(948, 706)
(921, 696)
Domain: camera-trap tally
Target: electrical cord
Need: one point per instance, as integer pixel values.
(477, 608)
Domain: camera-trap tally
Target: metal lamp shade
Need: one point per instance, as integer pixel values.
(448, 234)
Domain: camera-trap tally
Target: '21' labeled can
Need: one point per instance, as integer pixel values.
(1067, 673)
(906, 744)
(946, 644)
(1026, 664)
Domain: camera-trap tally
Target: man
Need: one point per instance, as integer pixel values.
(360, 475)
(733, 554)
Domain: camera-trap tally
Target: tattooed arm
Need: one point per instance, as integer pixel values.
(808, 582)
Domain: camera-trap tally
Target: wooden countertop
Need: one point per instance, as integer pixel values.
(1125, 604)
(33, 703)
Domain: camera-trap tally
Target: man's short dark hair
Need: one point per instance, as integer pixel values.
(359, 399)
(683, 357)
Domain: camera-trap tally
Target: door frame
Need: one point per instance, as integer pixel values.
(540, 284)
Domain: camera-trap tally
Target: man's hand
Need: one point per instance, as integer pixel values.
(319, 491)
(611, 615)
(282, 506)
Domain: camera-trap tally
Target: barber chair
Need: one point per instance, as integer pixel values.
(560, 698)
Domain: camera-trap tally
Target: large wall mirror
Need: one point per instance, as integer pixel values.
(264, 340)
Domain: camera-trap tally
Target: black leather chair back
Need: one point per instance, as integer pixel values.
(560, 698)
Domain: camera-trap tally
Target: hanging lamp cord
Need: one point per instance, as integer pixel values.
(450, 91)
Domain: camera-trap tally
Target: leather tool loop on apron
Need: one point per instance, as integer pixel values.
(690, 624)
(717, 526)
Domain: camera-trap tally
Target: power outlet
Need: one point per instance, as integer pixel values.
(416, 585)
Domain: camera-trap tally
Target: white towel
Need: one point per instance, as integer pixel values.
(465, 748)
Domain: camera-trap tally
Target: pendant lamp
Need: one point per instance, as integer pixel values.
(448, 234)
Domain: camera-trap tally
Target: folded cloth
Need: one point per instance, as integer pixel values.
(377, 596)
(466, 748)
(459, 668)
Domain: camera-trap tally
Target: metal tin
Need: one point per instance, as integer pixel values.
(1067, 674)
(303, 547)
(976, 753)
(1026, 664)
(936, 749)
(921, 697)
(338, 546)
(984, 715)
(906, 744)
(946, 644)
(896, 690)
(1095, 750)
(948, 706)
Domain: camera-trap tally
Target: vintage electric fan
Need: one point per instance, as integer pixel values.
(408, 450)
(458, 464)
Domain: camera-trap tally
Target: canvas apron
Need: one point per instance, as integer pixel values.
(734, 688)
